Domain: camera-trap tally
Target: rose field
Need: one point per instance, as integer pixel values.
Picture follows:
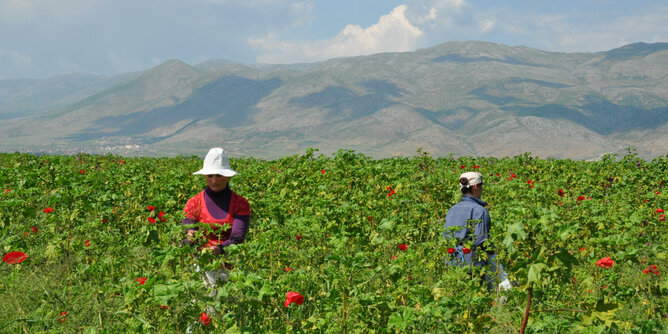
(339, 243)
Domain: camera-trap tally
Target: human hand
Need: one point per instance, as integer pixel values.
(215, 250)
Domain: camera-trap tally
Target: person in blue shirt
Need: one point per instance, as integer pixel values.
(468, 223)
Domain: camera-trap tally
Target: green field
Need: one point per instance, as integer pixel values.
(84, 258)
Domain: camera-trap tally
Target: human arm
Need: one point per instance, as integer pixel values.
(481, 231)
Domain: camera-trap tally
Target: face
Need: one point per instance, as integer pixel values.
(216, 182)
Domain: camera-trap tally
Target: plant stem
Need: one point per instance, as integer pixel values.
(526, 313)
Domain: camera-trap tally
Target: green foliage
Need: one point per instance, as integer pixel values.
(347, 263)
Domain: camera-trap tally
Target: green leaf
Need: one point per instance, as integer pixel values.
(514, 232)
(535, 270)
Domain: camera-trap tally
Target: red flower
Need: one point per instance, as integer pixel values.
(150, 208)
(403, 247)
(293, 297)
(141, 280)
(322, 171)
(476, 167)
(394, 257)
(497, 174)
(48, 210)
(370, 218)
(87, 243)
(82, 171)
(662, 217)
(466, 250)
(204, 319)
(34, 229)
(63, 316)
(287, 269)
(151, 220)
(7, 191)
(451, 250)
(561, 192)
(605, 262)
(160, 215)
(653, 269)
(462, 167)
(581, 198)
(164, 307)
(582, 249)
(121, 161)
(14, 257)
(104, 220)
(659, 210)
(530, 182)
(298, 237)
(656, 192)
(513, 176)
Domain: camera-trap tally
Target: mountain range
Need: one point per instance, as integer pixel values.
(462, 98)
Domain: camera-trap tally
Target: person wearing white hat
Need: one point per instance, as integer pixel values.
(470, 214)
(216, 206)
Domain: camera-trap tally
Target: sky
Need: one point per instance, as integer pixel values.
(46, 38)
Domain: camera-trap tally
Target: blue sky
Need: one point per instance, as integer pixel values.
(44, 38)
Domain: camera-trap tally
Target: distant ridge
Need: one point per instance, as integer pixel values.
(464, 98)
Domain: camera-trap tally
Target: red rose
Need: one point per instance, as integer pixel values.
(451, 250)
(403, 247)
(466, 250)
(63, 316)
(581, 198)
(150, 208)
(659, 210)
(322, 171)
(561, 192)
(48, 210)
(34, 229)
(298, 237)
(87, 243)
(293, 297)
(7, 191)
(605, 262)
(204, 319)
(14, 257)
(82, 171)
(141, 280)
(160, 215)
(151, 220)
(287, 269)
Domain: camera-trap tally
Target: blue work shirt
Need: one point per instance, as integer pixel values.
(469, 209)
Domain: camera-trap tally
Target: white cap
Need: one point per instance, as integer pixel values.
(473, 177)
(216, 162)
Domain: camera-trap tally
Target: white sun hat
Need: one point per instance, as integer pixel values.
(473, 177)
(216, 162)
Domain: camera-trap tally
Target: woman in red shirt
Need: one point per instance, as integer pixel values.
(216, 206)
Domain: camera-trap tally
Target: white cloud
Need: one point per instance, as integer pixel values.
(392, 33)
